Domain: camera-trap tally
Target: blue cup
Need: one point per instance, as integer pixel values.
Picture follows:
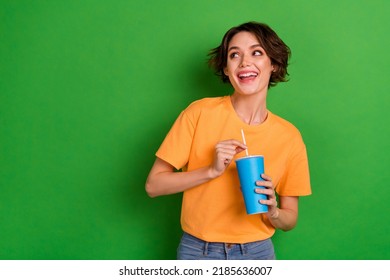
(249, 170)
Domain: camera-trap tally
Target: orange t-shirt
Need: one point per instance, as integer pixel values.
(215, 211)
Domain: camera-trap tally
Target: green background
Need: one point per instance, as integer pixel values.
(88, 90)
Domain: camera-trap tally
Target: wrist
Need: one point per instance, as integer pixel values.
(275, 215)
(212, 173)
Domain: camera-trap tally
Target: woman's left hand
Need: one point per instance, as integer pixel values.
(269, 190)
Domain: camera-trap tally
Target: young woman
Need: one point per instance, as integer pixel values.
(205, 140)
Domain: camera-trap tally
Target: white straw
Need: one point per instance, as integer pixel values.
(243, 139)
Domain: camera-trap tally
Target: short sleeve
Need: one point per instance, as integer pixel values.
(296, 179)
(176, 147)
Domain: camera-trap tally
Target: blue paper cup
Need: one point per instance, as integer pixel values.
(249, 170)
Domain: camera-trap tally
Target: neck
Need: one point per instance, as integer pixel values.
(250, 109)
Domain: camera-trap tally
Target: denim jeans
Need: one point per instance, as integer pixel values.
(192, 248)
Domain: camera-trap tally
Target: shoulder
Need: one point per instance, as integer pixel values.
(289, 136)
(209, 102)
(205, 105)
(285, 127)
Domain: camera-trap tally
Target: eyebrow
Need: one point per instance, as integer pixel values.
(252, 47)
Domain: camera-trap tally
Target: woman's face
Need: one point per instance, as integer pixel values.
(248, 66)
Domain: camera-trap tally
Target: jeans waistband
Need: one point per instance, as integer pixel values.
(221, 246)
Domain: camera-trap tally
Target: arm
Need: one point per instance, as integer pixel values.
(163, 179)
(285, 217)
(297, 173)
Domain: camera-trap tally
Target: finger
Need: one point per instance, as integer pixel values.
(266, 177)
(267, 184)
(235, 143)
(239, 150)
(223, 156)
(226, 159)
(269, 192)
(269, 202)
(230, 150)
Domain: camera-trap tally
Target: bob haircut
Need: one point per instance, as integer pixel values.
(275, 48)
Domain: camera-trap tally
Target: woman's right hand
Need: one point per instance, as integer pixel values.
(224, 154)
(163, 180)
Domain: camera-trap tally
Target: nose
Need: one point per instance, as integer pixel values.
(245, 61)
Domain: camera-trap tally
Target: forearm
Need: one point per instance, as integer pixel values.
(284, 219)
(168, 182)
(162, 179)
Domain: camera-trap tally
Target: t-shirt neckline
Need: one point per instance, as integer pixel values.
(240, 122)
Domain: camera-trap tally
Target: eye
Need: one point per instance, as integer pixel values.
(233, 55)
(257, 53)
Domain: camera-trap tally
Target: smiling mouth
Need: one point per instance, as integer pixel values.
(248, 75)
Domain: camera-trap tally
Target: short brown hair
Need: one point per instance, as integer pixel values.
(275, 48)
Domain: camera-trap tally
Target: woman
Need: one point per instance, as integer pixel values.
(205, 140)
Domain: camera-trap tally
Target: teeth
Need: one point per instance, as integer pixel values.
(245, 75)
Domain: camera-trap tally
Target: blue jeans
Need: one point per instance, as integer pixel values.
(192, 248)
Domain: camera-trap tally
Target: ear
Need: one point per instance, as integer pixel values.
(225, 72)
(274, 68)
